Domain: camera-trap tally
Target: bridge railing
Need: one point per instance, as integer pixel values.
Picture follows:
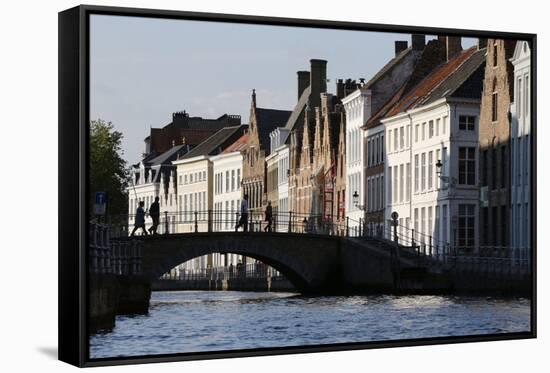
(110, 256)
(232, 220)
(429, 252)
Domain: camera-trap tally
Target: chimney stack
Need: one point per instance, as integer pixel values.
(453, 46)
(418, 42)
(400, 46)
(481, 43)
(303, 82)
(318, 80)
(340, 89)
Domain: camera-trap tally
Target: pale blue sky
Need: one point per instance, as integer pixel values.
(143, 69)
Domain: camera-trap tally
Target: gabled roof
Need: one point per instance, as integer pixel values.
(168, 156)
(216, 143)
(388, 67)
(267, 120)
(238, 145)
(451, 78)
(298, 109)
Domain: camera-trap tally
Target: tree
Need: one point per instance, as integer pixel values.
(107, 167)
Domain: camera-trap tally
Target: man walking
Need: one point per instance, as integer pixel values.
(243, 221)
(139, 219)
(268, 217)
(154, 213)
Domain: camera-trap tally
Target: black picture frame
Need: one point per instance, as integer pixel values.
(74, 117)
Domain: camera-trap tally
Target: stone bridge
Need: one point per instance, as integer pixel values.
(314, 263)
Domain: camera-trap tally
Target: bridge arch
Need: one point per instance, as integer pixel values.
(307, 261)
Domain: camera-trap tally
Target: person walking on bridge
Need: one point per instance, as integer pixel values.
(268, 217)
(154, 213)
(243, 221)
(139, 219)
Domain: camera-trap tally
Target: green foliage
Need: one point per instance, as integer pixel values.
(107, 167)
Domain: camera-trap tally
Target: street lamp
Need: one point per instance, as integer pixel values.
(448, 180)
(355, 199)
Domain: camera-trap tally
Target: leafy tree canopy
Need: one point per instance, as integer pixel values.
(107, 167)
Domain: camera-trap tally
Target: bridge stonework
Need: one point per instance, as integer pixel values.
(313, 263)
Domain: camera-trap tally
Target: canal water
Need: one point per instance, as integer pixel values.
(196, 321)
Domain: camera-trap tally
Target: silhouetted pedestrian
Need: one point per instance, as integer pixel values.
(139, 219)
(154, 213)
(268, 217)
(243, 221)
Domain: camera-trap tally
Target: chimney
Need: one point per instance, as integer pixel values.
(481, 43)
(400, 46)
(303, 82)
(453, 45)
(318, 80)
(418, 42)
(340, 89)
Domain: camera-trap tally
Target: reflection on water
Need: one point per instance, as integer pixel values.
(195, 321)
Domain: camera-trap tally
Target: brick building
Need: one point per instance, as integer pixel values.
(262, 122)
(494, 140)
(185, 130)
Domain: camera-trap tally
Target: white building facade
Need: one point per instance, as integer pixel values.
(227, 172)
(357, 107)
(280, 153)
(520, 232)
(441, 210)
(194, 200)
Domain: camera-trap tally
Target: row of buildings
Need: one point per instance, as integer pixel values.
(439, 135)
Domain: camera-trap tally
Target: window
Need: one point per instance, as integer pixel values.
(232, 180)
(423, 131)
(430, 170)
(437, 124)
(381, 150)
(444, 223)
(401, 182)
(408, 135)
(430, 221)
(444, 125)
(226, 181)
(423, 171)
(395, 140)
(467, 165)
(519, 97)
(436, 226)
(431, 128)
(423, 223)
(466, 123)
(527, 95)
(416, 172)
(416, 223)
(416, 129)
(190, 178)
(389, 185)
(395, 183)
(437, 157)
(238, 178)
(495, 102)
(408, 195)
(185, 179)
(402, 137)
(389, 140)
(466, 225)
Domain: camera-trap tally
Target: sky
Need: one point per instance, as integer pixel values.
(144, 69)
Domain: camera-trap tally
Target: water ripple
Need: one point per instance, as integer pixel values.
(196, 321)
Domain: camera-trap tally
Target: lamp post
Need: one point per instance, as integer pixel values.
(355, 200)
(449, 181)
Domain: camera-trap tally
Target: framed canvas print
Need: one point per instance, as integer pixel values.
(234, 186)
